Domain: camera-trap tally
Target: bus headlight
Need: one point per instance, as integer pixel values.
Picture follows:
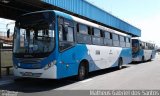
(50, 65)
(15, 66)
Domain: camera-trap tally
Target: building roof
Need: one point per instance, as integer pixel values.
(92, 12)
(80, 8)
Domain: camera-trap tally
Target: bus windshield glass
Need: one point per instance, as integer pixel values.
(135, 46)
(34, 35)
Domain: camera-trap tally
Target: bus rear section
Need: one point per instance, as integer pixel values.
(142, 51)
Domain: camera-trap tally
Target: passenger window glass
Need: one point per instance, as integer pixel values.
(115, 40)
(108, 39)
(127, 40)
(60, 33)
(68, 22)
(143, 45)
(97, 32)
(83, 29)
(115, 37)
(96, 39)
(107, 35)
(66, 37)
(67, 34)
(70, 34)
(83, 35)
(122, 39)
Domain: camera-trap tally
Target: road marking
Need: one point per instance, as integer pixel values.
(84, 81)
(6, 82)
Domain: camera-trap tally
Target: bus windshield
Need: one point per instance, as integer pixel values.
(135, 46)
(34, 35)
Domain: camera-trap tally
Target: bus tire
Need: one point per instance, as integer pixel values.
(150, 58)
(120, 63)
(142, 59)
(82, 71)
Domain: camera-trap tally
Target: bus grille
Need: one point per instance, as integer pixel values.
(30, 61)
(33, 63)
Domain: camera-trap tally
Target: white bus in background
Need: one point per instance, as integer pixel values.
(142, 51)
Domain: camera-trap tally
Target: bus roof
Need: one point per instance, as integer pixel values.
(82, 21)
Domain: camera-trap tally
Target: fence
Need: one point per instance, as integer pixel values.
(5, 60)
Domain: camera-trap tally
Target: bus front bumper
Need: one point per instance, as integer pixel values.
(50, 73)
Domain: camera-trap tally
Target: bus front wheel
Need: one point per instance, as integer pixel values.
(142, 59)
(82, 72)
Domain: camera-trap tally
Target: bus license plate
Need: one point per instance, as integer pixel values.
(28, 74)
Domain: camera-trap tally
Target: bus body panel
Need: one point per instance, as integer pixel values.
(147, 54)
(126, 55)
(99, 57)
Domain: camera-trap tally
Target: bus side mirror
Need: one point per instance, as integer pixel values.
(8, 33)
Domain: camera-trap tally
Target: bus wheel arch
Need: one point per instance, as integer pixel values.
(83, 69)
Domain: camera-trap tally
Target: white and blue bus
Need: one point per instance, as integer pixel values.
(51, 44)
(142, 51)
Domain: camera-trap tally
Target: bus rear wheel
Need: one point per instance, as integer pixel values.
(82, 72)
(142, 59)
(120, 63)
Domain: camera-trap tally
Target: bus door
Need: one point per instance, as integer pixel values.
(66, 46)
(114, 51)
(112, 56)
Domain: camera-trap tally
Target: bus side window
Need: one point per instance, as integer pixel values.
(140, 46)
(60, 32)
(108, 39)
(83, 34)
(128, 42)
(143, 46)
(146, 45)
(122, 41)
(68, 34)
(66, 37)
(115, 40)
(97, 38)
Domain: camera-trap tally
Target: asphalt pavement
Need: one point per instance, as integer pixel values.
(137, 76)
